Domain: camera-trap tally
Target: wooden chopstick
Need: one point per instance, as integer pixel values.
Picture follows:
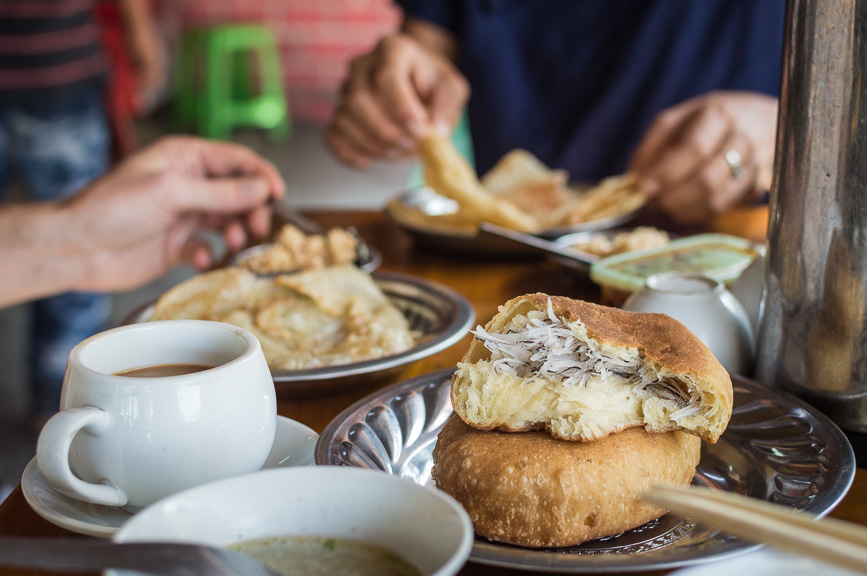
(830, 540)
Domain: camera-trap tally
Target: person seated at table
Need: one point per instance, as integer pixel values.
(681, 93)
(139, 220)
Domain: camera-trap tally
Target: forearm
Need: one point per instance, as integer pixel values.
(38, 252)
(138, 28)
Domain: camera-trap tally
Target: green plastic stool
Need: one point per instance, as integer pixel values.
(214, 83)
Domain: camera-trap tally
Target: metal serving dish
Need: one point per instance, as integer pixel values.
(441, 315)
(775, 448)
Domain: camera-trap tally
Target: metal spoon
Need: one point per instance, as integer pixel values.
(165, 558)
(524, 241)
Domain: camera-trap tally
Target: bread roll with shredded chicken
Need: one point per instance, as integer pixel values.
(582, 371)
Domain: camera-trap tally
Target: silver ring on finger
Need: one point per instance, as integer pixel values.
(733, 159)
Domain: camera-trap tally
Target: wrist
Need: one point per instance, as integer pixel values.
(39, 250)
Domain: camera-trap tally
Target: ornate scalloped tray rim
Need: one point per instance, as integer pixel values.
(776, 447)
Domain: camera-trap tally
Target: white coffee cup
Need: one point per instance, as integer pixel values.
(121, 440)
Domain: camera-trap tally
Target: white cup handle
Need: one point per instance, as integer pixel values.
(52, 455)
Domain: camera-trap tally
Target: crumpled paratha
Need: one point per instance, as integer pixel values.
(519, 192)
(320, 317)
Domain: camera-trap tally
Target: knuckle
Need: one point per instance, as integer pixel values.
(382, 77)
(703, 147)
(352, 101)
(663, 121)
(393, 42)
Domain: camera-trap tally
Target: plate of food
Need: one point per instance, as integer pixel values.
(326, 328)
(293, 249)
(593, 245)
(566, 498)
(519, 193)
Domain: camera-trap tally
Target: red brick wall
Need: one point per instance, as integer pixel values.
(317, 38)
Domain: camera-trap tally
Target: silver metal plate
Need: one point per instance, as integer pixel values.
(439, 314)
(775, 448)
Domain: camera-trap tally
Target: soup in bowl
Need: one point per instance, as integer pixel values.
(314, 515)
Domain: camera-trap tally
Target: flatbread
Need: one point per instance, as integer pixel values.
(449, 174)
(519, 192)
(320, 317)
(517, 169)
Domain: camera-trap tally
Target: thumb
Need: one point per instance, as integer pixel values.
(222, 195)
(446, 103)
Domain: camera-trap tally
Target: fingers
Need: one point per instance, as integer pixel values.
(664, 129)
(182, 245)
(390, 99)
(221, 196)
(713, 188)
(378, 108)
(681, 161)
(446, 103)
(689, 141)
(258, 222)
(399, 61)
(229, 159)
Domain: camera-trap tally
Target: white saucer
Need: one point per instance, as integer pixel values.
(294, 444)
(763, 562)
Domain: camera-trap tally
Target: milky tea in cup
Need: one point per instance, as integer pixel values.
(153, 408)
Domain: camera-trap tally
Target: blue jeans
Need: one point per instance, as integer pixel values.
(55, 143)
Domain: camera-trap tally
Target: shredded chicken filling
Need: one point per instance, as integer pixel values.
(547, 347)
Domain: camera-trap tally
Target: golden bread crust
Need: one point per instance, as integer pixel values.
(663, 339)
(533, 490)
(491, 400)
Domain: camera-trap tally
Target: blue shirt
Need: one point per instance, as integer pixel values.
(577, 82)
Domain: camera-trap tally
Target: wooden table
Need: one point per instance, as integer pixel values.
(486, 283)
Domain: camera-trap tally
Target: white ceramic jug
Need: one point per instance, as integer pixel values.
(748, 290)
(707, 308)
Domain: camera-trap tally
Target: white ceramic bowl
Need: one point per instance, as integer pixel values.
(425, 526)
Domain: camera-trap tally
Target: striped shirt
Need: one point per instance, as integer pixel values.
(48, 44)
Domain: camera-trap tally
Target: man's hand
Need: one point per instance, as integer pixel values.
(392, 97)
(141, 219)
(682, 162)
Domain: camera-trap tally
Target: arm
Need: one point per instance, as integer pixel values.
(34, 257)
(144, 48)
(395, 94)
(138, 221)
(681, 160)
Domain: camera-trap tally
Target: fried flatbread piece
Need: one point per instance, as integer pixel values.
(530, 489)
(612, 196)
(450, 175)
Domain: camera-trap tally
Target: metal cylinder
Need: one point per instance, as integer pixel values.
(811, 337)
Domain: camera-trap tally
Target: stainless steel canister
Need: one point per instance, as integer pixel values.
(811, 337)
